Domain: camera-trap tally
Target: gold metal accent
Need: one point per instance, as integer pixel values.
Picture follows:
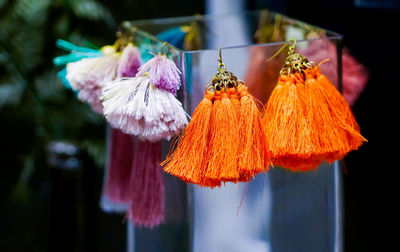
(292, 45)
(224, 78)
(165, 44)
(294, 61)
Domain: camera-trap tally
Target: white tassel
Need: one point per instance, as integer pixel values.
(88, 76)
(91, 71)
(120, 98)
(165, 116)
(138, 108)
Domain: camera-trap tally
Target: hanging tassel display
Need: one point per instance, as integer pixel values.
(306, 120)
(224, 141)
(147, 186)
(146, 105)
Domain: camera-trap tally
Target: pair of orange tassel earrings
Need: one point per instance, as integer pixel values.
(305, 121)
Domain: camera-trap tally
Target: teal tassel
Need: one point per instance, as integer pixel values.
(62, 75)
(76, 53)
(175, 36)
(72, 57)
(68, 46)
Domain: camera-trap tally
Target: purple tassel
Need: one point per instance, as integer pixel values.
(129, 62)
(147, 186)
(163, 73)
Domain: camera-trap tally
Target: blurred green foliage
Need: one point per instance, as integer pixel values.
(36, 109)
(29, 88)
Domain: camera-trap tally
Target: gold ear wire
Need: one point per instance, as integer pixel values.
(221, 65)
(165, 44)
(277, 53)
(292, 45)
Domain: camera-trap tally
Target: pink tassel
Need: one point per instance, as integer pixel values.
(121, 156)
(147, 186)
(90, 94)
(355, 75)
(129, 62)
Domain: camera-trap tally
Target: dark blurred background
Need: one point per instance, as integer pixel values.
(42, 206)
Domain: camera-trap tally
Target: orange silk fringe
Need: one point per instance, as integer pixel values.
(189, 157)
(254, 154)
(307, 120)
(223, 142)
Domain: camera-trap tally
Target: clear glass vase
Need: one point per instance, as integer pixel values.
(281, 210)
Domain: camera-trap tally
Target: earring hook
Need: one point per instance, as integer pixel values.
(292, 45)
(165, 44)
(221, 65)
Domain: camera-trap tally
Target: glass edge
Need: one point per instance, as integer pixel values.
(155, 39)
(200, 17)
(332, 35)
(281, 43)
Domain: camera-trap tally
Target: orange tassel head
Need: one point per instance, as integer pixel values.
(306, 119)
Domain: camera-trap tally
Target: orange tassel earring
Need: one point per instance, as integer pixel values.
(306, 119)
(224, 141)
